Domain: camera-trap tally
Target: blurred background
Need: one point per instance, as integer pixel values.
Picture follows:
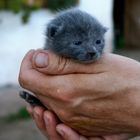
(22, 27)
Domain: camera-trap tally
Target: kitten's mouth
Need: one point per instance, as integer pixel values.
(92, 56)
(89, 58)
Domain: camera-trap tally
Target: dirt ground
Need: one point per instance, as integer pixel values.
(19, 130)
(26, 129)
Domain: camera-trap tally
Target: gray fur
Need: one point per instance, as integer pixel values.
(77, 35)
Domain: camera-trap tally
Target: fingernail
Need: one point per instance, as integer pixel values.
(41, 60)
(46, 120)
(29, 108)
(37, 115)
(60, 131)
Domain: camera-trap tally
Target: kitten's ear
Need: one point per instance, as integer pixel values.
(105, 29)
(53, 30)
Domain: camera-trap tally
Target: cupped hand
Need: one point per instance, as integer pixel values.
(48, 124)
(94, 99)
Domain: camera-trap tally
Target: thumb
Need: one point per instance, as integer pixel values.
(50, 63)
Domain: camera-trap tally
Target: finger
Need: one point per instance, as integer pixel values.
(97, 138)
(38, 117)
(119, 136)
(29, 77)
(30, 110)
(26, 68)
(26, 64)
(50, 123)
(68, 134)
(27, 59)
(50, 63)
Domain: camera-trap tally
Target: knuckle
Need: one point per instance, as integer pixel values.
(64, 116)
(23, 79)
(65, 96)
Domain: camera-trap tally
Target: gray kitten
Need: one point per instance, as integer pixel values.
(77, 35)
(73, 34)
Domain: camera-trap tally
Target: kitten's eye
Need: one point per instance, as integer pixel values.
(77, 43)
(98, 42)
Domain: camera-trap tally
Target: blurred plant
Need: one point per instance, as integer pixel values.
(26, 6)
(55, 5)
(22, 114)
(119, 41)
(118, 19)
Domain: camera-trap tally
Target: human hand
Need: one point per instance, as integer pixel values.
(48, 124)
(95, 99)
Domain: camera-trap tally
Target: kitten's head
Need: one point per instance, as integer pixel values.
(77, 35)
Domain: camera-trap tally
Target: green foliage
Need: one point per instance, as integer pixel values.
(26, 15)
(55, 5)
(22, 114)
(14, 6)
(119, 41)
(2, 4)
(20, 5)
(24, 6)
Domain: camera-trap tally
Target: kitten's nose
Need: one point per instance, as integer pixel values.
(91, 54)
